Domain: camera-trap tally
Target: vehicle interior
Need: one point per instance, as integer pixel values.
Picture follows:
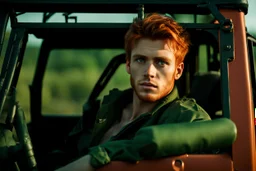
(205, 76)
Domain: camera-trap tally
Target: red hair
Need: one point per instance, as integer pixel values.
(156, 26)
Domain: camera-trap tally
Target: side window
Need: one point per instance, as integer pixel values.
(27, 69)
(208, 59)
(252, 59)
(119, 80)
(71, 75)
(202, 59)
(254, 91)
(27, 74)
(254, 87)
(205, 84)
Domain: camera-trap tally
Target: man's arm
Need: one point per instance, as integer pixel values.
(167, 140)
(82, 164)
(160, 141)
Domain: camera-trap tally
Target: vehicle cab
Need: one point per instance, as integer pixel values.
(219, 73)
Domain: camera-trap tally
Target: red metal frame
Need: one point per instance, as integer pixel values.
(241, 102)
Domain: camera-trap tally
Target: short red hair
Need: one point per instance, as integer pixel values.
(156, 26)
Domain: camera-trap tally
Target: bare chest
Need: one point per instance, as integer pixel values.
(115, 128)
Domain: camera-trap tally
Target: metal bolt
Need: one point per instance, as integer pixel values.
(228, 47)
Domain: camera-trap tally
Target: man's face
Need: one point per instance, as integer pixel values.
(153, 69)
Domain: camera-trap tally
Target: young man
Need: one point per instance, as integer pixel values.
(155, 50)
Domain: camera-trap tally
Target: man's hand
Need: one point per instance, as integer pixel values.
(82, 164)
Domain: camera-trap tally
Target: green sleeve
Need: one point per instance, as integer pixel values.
(166, 140)
(122, 150)
(183, 110)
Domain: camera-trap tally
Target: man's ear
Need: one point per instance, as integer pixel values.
(179, 71)
(127, 64)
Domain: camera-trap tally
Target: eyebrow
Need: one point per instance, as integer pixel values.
(138, 55)
(158, 57)
(164, 58)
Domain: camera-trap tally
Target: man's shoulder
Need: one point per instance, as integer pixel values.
(186, 109)
(185, 102)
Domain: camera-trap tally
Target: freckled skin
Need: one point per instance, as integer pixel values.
(153, 69)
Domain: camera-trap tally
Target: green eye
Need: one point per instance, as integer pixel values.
(161, 63)
(139, 60)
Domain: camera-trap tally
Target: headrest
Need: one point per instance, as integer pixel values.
(206, 90)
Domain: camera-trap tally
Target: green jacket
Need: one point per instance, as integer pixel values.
(151, 135)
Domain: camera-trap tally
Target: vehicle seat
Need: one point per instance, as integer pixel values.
(206, 90)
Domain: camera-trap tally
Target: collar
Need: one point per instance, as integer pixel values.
(112, 106)
(174, 94)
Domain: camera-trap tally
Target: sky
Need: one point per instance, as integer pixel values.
(58, 17)
(125, 18)
(251, 16)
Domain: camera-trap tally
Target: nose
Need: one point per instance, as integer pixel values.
(150, 71)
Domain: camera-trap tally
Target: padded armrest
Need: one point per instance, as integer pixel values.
(171, 140)
(182, 138)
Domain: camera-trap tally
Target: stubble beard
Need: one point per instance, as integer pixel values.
(149, 98)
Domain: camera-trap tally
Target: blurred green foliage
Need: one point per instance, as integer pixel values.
(69, 79)
(71, 75)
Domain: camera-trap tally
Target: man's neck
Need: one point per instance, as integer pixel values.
(139, 107)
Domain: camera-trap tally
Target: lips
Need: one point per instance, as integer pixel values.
(148, 84)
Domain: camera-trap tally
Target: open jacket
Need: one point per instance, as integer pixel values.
(151, 135)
